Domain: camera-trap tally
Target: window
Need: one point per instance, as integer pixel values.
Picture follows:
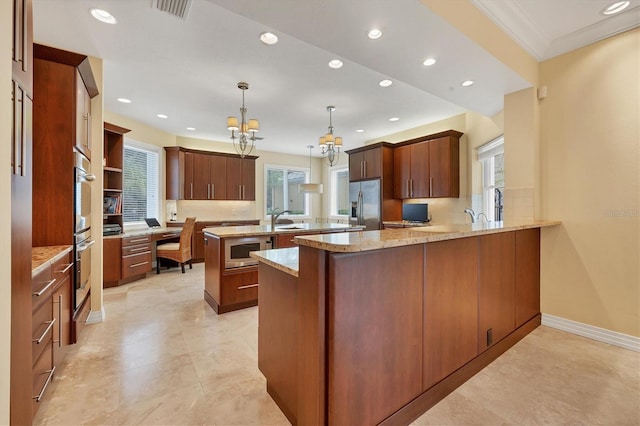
(281, 190)
(339, 192)
(491, 155)
(140, 182)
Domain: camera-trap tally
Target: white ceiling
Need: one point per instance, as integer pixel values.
(189, 68)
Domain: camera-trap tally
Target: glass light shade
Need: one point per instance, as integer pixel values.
(254, 126)
(310, 188)
(232, 123)
(338, 141)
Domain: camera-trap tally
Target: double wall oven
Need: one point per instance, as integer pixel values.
(82, 232)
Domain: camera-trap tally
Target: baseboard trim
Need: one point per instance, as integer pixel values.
(95, 317)
(592, 332)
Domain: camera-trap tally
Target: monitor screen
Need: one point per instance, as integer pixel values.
(415, 212)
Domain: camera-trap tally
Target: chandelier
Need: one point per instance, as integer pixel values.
(247, 130)
(331, 145)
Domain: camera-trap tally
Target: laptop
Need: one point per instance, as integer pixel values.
(152, 222)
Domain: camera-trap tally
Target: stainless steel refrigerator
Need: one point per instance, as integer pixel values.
(366, 205)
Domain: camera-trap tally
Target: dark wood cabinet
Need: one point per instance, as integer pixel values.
(527, 281)
(496, 294)
(112, 261)
(204, 175)
(83, 117)
(62, 309)
(112, 181)
(41, 334)
(136, 257)
(366, 163)
(428, 167)
(22, 46)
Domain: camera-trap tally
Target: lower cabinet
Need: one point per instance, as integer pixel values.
(62, 307)
(136, 256)
(42, 334)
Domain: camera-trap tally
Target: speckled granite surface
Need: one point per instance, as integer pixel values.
(285, 259)
(41, 257)
(255, 230)
(374, 240)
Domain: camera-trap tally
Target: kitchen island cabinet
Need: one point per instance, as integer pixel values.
(386, 323)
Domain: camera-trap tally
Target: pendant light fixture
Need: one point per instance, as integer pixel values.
(331, 145)
(247, 130)
(310, 188)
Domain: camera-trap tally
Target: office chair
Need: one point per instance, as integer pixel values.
(178, 252)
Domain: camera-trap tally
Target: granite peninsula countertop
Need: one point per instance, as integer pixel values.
(41, 257)
(256, 230)
(374, 240)
(285, 259)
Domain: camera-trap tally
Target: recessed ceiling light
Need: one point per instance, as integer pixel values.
(394, 119)
(428, 62)
(616, 7)
(335, 64)
(385, 83)
(268, 38)
(191, 128)
(103, 16)
(375, 34)
(162, 116)
(467, 83)
(360, 131)
(124, 100)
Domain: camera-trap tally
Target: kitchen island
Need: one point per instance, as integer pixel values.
(231, 277)
(376, 327)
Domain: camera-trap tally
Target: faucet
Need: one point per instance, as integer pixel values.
(472, 214)
(485, 217)
(274, 217)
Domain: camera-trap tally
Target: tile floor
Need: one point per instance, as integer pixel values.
(163, 357)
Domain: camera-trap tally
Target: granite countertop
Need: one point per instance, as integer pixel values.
(405, 223)
(41, 257)
(285, 259)
(255, 230)
(143, 231)
(373, 240)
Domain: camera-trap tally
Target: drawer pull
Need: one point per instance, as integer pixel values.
(44, 289)
(39, 396)
(66, 268)
(139, 240)
(135, 265)
(136, 254)
(242, 287)
(169, 235)
(139, 249)
(48, 329)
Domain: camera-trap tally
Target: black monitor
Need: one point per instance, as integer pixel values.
(415, 212)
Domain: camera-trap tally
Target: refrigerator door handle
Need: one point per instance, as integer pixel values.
(360, 208)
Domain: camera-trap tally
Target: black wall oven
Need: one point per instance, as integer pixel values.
(82, 232)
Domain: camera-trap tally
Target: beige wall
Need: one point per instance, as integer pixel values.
(590, 160)
(5, 200)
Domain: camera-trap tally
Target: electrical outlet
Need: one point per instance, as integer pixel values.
(489, 337)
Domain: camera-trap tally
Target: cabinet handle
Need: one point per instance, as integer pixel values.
(362, 169)
(138, 240)
(135, 254)
(411, 188)
(242, 287)
(89, 129)
(135, 265)
(41, 394)
(168, 235)
(213, 191)
(46, 331)
(240, 192)
(430, 187)
(208, 191)
(23, 136)
(59, 342)
(192, 190)
(408, 189)
(45, 288)
(365, 168)
(66, 268)
(139, 249)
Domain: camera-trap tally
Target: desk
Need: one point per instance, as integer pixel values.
(129, 257)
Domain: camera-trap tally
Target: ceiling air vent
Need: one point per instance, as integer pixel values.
(179, 8)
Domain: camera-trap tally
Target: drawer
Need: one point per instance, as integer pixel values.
(42, 328)
(138, 264)
(237, 288)
(42, 376)
(166, 235)
(61, 268)
(41, 288)
(142, 239)
(136, 249)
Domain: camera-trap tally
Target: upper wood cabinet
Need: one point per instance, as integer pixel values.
(428, 167)
(365, 163)
(22, 46)
(204, 175)
(83, 117)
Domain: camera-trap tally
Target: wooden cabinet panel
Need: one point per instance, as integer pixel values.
(248, 179)
(450, 308)
(22, 47)
(213, 269)
(496, 288)
(218, 178)
(241, 178)
(83, 118)
(189, 176)
(43, 326)
(201, 185)
(239, 287)
(62, 313)
(356, 165)
(138, 264)
(527, 275)
(420, 170)
(444, 167)
(42, 376)
(111, 254)
(366, 164)
(402, 172)
(394, 310)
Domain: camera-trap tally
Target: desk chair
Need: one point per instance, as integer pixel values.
(178, 252)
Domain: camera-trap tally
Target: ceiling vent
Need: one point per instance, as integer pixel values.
(179, 8)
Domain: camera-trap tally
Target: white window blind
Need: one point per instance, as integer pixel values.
(140, 182)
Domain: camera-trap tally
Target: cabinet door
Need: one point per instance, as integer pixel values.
(62, 314)
(248, 179)
(111, 259)
(188, 175)
(217, 177)
(197, 242)
(83, 117)
(444, 167)
(201, 187)
(527, 272)
(356, 166)
(372, 163)
(496, 288)
(22, 47)
(419, 186)
(234, 178)
(401, 171)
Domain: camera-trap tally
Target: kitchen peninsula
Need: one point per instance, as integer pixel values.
(231, 276)
(376, 327)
